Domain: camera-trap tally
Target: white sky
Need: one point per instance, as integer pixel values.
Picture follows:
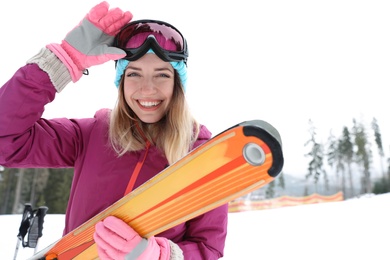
(281, 61)
(353, 229)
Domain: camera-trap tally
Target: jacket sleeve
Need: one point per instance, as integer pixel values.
(27, 140)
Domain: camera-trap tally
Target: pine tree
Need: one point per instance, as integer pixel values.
(336, 159)
(280, 180)
(363, 155)
(270, 191)
(315, 168)
(378, 141)
(347, 153)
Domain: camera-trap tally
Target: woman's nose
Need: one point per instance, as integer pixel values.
(148, 86)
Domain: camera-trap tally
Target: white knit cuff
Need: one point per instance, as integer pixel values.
(52, 65)
(176, 252)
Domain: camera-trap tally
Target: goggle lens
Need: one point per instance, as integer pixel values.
(132, 38)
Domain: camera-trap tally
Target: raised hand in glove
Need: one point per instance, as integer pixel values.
(117, 240)
(90, 42)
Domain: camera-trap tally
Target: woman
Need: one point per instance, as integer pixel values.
(118, 150)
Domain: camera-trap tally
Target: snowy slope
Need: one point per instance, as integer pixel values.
(354, 229)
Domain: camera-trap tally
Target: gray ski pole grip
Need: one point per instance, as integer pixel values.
(41, 215)
(35, 231)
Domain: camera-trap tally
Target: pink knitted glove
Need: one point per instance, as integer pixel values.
(90, 42)
(117, 240)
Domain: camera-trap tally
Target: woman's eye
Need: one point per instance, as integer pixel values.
(132, 74)
(163, 75)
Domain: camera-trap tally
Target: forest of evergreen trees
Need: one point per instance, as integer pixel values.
(348, 158)
(39, 187)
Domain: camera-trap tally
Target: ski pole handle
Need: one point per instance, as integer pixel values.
(35, 231)
(24, 226)
(41, 215)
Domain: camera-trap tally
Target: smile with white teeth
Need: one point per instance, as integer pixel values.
(149, 103)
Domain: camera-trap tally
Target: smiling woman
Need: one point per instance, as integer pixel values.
(325, 61)
(119, 149)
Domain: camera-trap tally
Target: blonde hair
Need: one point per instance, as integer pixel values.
(173, 135)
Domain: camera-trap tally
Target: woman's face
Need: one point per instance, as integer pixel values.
(148, 87)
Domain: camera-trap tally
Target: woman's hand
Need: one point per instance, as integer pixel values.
(90, 42)
(117, 240)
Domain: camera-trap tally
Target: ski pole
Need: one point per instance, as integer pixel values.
(24, 226)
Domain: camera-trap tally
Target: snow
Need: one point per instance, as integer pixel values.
(353, 229)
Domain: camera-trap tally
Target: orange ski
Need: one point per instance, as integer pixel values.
(235, 162)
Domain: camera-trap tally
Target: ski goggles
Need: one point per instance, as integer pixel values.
(138, 37)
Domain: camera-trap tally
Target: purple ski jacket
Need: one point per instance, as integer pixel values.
(100, 176)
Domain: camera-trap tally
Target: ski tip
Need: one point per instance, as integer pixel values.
(267, 133)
